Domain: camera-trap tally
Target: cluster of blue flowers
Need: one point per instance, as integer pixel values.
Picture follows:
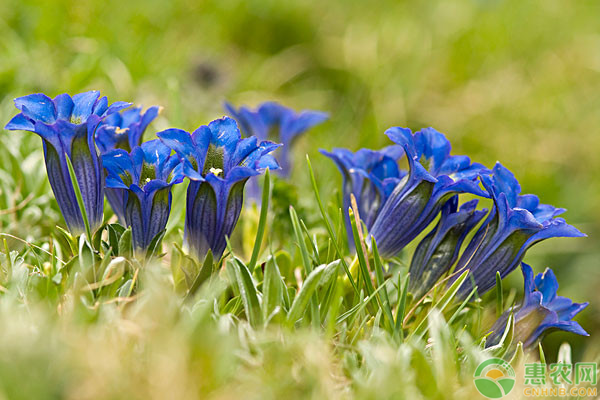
(104, 145)
(396, 206)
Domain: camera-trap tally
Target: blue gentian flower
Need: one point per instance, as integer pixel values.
(273, 121)
(218, 163)
(370, 176)
(143, 180)
(515, 223)
(438, 251)
(124, 130)
(66, 125)
(541, 311)
(434, 177)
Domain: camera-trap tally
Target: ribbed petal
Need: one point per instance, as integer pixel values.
(88, 170)
(439, 250)
(116, 199)
(60, 182)
(201, 218)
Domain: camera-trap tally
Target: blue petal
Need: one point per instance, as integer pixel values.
(100, 107)
(64, 106)
(155, 152)
(20, 122)
(547, 284)
(183, 144)
(84, 105)
(38, 107)
(225, 133)
(116, 107)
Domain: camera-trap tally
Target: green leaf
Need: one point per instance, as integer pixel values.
(248, 292)
(155, 244)
(272, 288)
(383, 298)
(305, 294)
(125, 247)
(401, 307)
(306, 262)
(204, 273)
(441, 304)
(262, 221)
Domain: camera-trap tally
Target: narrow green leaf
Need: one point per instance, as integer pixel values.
(272, 289)
(441, 304)
(401, 307)
(305, 294)
(542, 355)
(332, 235)
(204, 273)
(385, 300)
(262, 221)
(248, 292)
(125, 247)
(306, 262)
(362, 257)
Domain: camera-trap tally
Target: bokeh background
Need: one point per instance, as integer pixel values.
(516, 81)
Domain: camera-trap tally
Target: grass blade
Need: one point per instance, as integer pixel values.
(328, 226)
(262, 221)
(308, 267)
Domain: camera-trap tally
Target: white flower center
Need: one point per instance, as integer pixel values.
(215, 171)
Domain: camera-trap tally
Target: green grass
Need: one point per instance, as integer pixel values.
(512, 81)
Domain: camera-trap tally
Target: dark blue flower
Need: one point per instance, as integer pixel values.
(142, 182)
(273, 121)
(370, 176)
(514, 225)
(438, 251)
(218, 163)
(434, 177)
(66, 125)
(124, 130)
(541, 311)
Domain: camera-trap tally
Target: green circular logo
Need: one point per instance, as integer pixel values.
(494, 378)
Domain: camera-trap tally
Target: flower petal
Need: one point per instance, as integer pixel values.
(38, 107)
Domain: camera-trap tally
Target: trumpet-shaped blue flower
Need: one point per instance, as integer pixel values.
(438, 251)
(509, 230)
(434, 177)
(370, 176)
(541, 311)
(124, 130)
(143, 179)
(218, 163)
(66, 125)
(273, 121)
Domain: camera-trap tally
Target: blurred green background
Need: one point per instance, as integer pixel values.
(515, 81)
